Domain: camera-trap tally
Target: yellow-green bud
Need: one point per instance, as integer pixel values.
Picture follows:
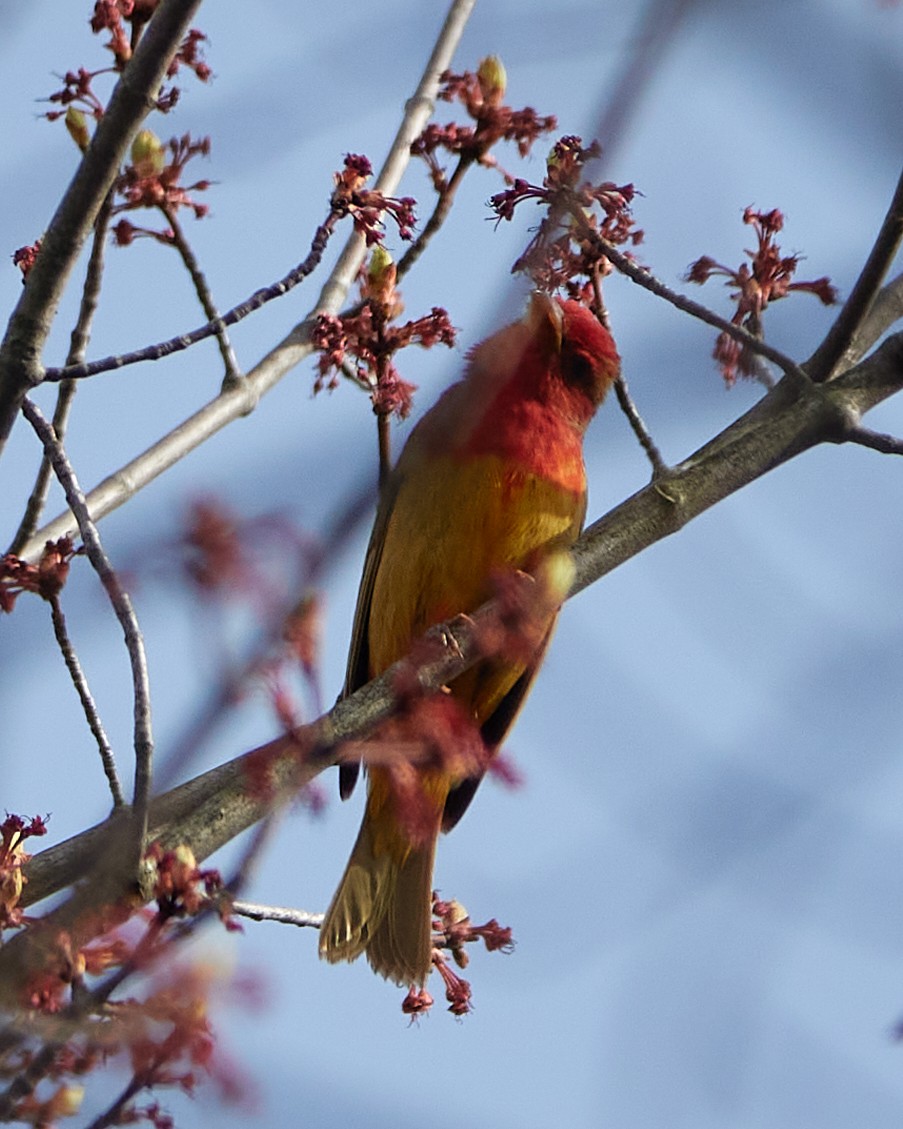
(148, 153)
(77, 125)
(493, 78)
(381, 276)
(380, 263)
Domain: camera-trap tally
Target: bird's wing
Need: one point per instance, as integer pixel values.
(357, 672)
(493, 731)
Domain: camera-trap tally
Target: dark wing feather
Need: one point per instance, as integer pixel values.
(493, 732)
(357, 672)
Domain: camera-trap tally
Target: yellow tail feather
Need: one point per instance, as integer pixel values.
(383, 907)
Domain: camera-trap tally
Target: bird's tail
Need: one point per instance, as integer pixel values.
(383, 905)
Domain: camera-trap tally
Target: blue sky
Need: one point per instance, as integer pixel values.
(702, 870)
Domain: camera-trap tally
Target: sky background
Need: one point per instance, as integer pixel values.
(703, 868)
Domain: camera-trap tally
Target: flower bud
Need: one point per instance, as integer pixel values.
(148, 153)
(493, 79)
(77, 125)
(381, 276)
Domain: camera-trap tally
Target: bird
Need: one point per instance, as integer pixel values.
(490, 481)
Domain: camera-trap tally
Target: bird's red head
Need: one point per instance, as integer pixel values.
(589, 360)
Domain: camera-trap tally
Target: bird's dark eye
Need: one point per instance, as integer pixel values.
(578, 369)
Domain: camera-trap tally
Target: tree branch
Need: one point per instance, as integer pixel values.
(202, 289)
(233, 403)
(20, 352)
(86, 698)
(282, 914)
(830, 356)
(78, 345)
(122, 606)
(213, 808)
(885, 311)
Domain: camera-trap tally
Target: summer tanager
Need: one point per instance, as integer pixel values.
(491, 479)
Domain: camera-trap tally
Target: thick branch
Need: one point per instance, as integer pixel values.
(212, 809)
(20, 352)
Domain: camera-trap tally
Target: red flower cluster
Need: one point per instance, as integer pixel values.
(150, 181)
(431, 732)
(251, 565)
(456, 930)
(114, 15)
(14, 830)
(189, 55)
(181, 888)
(368, 340)
(565, 248)
(366, 207)
(452, 930)
(77, 91)
(766, 278)
(44, 579)
(24, 258)
(457, 990)
(481, 94)
(215, 557)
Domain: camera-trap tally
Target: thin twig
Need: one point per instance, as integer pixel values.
(829, 356)
(885, 311)
(384, 443)
(642, 277)
(236, 402)
(625, 400)
(876, 440)
(89, 706)
(436, 220)
(78, 344)
(213, 328)
(122, 606)
(202, 289)
(629, 408)
(257, 912)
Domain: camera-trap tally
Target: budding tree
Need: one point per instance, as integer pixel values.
(97, 964)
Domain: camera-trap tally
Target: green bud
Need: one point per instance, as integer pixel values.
(148, 153)
(77, 125)
(493, 78)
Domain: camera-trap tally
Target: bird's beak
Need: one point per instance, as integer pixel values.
(546, 321)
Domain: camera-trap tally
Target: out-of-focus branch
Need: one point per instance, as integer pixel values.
(20, 352)
(658, 30)
(235, 402)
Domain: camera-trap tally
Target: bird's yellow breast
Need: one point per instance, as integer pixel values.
(460, 523)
